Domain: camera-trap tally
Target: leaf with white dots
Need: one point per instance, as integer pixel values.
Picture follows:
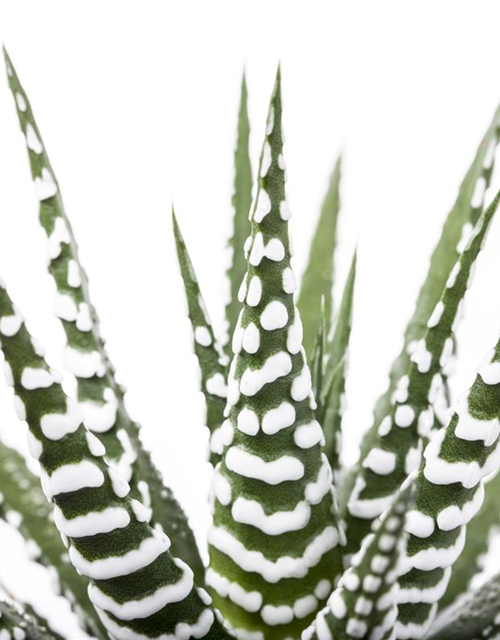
(463, 215)
(275, 544)
(364, 603)
(135, 583)
(208, 352)
(449, 492)
(100, 397)
(417, 400)
(317, 281)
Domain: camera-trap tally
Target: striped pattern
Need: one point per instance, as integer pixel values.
(417, 400)
(449, 493)
(364, 603)
(100, 398)
(137, 587)
(274, 546)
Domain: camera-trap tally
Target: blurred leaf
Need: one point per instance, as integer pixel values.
(19, 624)
(476, 615)
(317, 281)
(330, 408)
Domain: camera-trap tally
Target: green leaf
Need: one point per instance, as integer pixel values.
(213, 371)
(479, 533)
(317, 280)
(330, 407)
(100, 397)
(450, 492)
(364, 603)
(474, 617)
(21, 493)
(127, 562)
(275, 533)
(465, 212)
(417, 400)
(16, 621)
(241, 201)
(317, 364)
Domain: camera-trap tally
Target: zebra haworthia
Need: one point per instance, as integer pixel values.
(417, 400)
(274, 546)
(449, 493)
(364, 603)
(138, 588)
(100, 398)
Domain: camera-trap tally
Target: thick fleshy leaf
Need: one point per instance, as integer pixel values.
(417, 400)
(364, 604)
(17, 623)
(331, 405)
(208, 352)
(475, 617)
(449, 492)
(464, 213)
(21, 494)
(274, 547)
(317, 281)
(241, 201)
(100, 397)
(477, 543)
(137, 586)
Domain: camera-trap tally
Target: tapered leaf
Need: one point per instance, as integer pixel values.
(364, 603)
(213, 371)
(449, 493)
(464, 213)
(17, 623)
(317, 280)
(241, 201)
(475, 617)
(318, 358)
(331, 406)
(21, 494)
(274, 547)
(138, 587)
(100, 397)
(396, 451)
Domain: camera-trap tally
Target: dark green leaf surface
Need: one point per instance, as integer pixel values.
(100, 397)
(21, 493)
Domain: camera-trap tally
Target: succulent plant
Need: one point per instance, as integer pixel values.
(300, 546)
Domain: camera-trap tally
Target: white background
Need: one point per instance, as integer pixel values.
(137, 105)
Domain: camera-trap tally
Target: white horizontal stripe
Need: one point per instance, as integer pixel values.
(145, 607)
